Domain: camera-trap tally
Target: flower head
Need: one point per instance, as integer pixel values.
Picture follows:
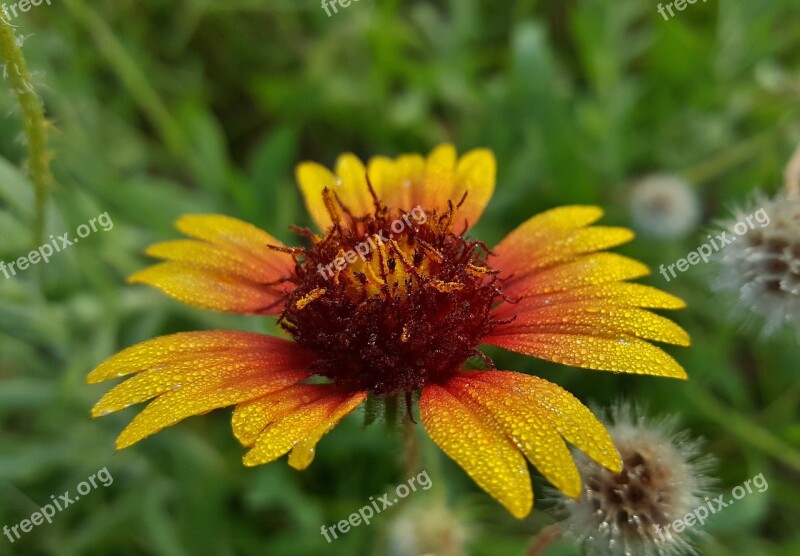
(664, 206)
(428, 528)
(662, 479)
(391, 297)
(762, 267)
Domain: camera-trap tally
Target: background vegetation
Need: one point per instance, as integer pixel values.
(162, 108)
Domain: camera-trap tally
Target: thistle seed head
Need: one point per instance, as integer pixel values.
(663, 478)
(762, 267)
(429, 529)
(664, 206)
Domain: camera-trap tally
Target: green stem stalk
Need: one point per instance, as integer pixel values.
(748, 431)
(411, 449)
(130, 74)
(792, 174)
(731, 157)
(34, 122)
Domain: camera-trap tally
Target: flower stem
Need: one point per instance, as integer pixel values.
(410, 448)
(130, 74)
(792, 174)
(545, 538)
(33, 121)
(732, 157)
(748, 431)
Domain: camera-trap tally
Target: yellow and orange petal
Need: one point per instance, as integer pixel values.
(478, 445)
(487, 422)
(601, 317)
(293, 420)
(403, 183)
(228, 266)
(572, 306)
(192, 373)
(554, 237)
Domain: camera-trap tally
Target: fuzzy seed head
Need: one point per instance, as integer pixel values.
(662, 479)
(664, 206)
(427, 530)
(762, 266)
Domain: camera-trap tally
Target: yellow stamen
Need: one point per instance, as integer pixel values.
(311, 296)
(331, 205)
(445, 287)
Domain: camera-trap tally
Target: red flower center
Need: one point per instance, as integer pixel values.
(392, 301)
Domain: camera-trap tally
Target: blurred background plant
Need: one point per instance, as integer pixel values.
(164, 108)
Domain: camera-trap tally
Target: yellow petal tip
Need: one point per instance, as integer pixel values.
(520, 512)
(137, 278)
(574, 491)
(248, 460)
(121, 444)
(616, 466)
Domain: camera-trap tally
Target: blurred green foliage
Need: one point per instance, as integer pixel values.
(164, 108)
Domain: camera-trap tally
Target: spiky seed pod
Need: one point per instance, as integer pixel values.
(664, 206)
(762, 265)
(662, 479)
(427, 529)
